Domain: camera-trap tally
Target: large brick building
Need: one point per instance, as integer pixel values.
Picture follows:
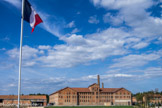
(93, 95)
(26, 100)
(152, 98)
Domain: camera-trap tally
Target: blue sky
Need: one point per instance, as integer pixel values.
(121, 40)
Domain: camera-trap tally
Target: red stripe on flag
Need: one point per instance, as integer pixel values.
(38, 20)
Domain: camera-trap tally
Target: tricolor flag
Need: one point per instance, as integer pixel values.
(30, 15)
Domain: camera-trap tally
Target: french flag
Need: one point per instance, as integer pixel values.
(31, 16)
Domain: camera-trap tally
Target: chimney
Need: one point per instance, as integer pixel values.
(98, 78)
(102, 85)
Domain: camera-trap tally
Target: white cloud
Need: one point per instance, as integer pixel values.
(75, 30)
(52, 24)
(153, 70)
(141, 24)
(140, 45)
(103, 44)
(93, 20)
(117, 4)
(117, 75)
(12, 85)
(135, 60)
(78, 50)
(16, 3)
(27, 52)
(71, 24)
(29, 55)
(44, 47)
(114, 20)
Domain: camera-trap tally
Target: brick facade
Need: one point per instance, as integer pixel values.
(93, 95)
(26, 100)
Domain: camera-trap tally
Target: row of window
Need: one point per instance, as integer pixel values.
(89, 97)
(68, 96)
(106, 96)
(67, 100)
(85, 96)
(89, 93)
(84, 100)
(86, 93)
(104, 100)
(122, 96)
(122, 93)
(94, 100)
(69, 93)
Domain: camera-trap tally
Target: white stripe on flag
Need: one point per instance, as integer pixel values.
(32, 18)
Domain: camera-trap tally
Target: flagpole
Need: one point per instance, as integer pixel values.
(20, 57)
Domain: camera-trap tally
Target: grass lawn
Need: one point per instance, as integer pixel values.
(90, 107)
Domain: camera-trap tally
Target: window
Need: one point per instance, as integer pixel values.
(1, 100)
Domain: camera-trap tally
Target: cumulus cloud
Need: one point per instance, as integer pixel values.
(29, 55)
(113, 19)
(77, 50)
(81, 49)
(142, 24)
(28, 52)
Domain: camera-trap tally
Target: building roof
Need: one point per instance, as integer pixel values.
(103, 90)
(81, 89)
(60, 90)
(111, 90)
(22, 97)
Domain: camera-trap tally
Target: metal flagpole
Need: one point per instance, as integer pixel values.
(20, 58)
